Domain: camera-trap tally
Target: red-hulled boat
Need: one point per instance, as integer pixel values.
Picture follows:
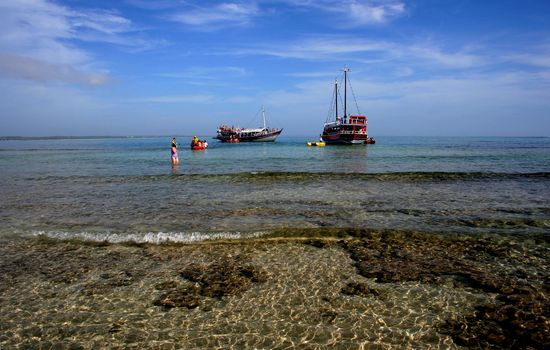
(346, 130)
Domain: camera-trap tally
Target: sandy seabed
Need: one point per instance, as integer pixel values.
(359, 289)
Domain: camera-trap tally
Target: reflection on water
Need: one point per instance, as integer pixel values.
(175, 169)
(146, 156)
(346, 158)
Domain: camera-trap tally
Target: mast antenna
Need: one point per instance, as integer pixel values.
(336, 98)
(346, 70)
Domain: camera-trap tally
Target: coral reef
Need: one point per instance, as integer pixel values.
(519, 319)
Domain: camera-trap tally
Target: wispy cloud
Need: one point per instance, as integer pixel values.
(320, 74)
(177, 99)
(434, 54)
(218, 16)
(375, 12)
(355, 12)
(20, 67)
(350, 13)
(207, 73)
(40, 30)
(39, 40)
(106, 22)
(442, 105)
(321, 47)
(197, 99)
(539, 56)
(240, 99)
(109, 27)
(154, 5)
(325, 48)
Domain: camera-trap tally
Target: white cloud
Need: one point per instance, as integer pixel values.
(217, 17)
(350, 12)
(105, 22)
(177, 99)
(489, 104)
(240, 99)
(369, 12)
(365, 51)
(404, 71)
(319, 48)
(154, 5)
(355, 12)
(485, 104)
(447, 59)
(39, 40)
(20, 67)
(532, 59)
(207, 73)
(36, 28)
(319, 74)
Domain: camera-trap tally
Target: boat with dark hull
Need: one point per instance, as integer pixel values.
(349, 129)
(235, 134)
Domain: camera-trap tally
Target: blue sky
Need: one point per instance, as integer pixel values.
(173, 67)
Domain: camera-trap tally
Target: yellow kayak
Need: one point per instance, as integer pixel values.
(318, 143)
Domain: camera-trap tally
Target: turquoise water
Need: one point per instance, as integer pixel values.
(415, 243)
(126, 189)
(148, 156)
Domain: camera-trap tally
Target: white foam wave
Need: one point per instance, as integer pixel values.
(150, 237)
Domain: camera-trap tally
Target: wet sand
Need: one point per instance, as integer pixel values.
(315, 289)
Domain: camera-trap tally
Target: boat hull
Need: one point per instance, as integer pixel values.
(344, 139)
(351, 131)
(270, 136)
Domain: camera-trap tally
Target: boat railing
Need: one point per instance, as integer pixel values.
(351, 132)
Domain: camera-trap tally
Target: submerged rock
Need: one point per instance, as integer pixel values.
(166, 285)
(317, 243)
(180, 297)
(519, 319)
(227, 276)
(359, 289)
(223, 277)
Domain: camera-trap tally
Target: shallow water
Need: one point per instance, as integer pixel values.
(184, 205)
(124, 189)
(296, 292)
(432, 243)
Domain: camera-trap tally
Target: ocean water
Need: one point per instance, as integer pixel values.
(411, 243)
(126, 189)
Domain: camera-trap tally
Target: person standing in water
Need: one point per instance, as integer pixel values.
(174, 151)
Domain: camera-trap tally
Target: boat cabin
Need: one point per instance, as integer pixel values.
(357, 119)
(355, 124)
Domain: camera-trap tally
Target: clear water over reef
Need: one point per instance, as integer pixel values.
(415, 243)
(126, 189)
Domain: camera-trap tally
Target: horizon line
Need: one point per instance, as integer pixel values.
(84, 137)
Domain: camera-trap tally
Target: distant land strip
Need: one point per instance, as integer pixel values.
(28, 138)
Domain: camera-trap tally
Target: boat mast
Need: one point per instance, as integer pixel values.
(346, 70)
(263, 116)
(336, 97)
